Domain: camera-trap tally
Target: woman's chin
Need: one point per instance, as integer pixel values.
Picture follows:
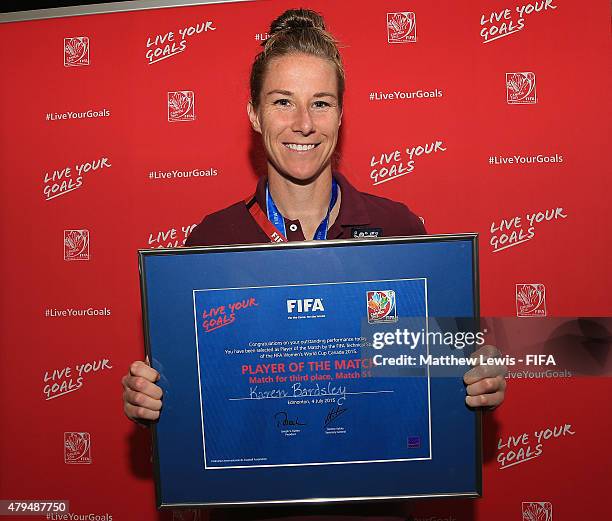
(301, 175)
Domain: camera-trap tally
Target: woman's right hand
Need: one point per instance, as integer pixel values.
(141, 397)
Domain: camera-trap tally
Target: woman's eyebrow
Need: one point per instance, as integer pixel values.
(324, 95)
(289, 93)
(279, 91)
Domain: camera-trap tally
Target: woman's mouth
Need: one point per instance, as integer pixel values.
(301, 147)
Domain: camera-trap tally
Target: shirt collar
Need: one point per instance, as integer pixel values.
(353, 211)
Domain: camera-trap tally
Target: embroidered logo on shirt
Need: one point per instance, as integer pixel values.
(363, 233)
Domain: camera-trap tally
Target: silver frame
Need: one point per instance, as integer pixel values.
(300, 245)
(115, 7)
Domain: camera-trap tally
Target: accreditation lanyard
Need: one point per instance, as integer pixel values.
(273, 224)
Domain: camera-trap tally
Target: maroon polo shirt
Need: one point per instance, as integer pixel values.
(360, 215)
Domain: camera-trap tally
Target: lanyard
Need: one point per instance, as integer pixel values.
(273, 224)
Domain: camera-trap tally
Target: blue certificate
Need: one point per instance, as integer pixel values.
(273, 387)
(288, 361)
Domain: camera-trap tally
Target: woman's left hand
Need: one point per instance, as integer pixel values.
(485, 384)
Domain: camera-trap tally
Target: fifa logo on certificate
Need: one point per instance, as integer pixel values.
(76, 51)
(401, 27)
(537, 511)
(381, 306)
(530, 300)
(520, 88)
(76, 245)
(77, 448)
(181, 106)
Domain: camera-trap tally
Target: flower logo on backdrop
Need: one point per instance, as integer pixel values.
(76, 245)
(76, 51)
(381, 306)
(181, 106)
(401, 27)
(537, 511)
(520, 88)
(530, 300)
(77, 448)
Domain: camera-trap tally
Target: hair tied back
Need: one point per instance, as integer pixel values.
(297, 19)
(296, 31)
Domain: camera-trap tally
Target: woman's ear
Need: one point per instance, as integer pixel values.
(253, 117)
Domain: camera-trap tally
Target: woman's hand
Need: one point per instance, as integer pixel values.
(485, 384)
(141, 397)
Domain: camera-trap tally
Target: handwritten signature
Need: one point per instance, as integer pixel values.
(333, 414)
(282, 420)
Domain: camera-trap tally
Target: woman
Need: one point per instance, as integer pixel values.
(297, 87)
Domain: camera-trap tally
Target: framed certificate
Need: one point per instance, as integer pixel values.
(312, 371)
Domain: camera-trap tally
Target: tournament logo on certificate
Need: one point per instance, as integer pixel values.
(401, 27)
(381, 306)
(181, 106)
(76, 51)
(530, 300)
(77, 447)
(520, 88)
(537, 511)
(76, 245)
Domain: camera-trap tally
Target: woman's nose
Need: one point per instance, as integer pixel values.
(303, 122)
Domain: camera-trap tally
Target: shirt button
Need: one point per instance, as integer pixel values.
(293, 227)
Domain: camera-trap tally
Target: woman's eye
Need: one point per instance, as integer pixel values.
(282, 102)
(321, 104)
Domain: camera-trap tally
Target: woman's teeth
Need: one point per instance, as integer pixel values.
(295, 146)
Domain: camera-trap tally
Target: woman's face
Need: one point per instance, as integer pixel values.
(298, 115)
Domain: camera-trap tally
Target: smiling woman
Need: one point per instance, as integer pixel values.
(297, 89)
(298, 116)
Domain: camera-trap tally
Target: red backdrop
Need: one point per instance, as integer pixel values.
(515, 95)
